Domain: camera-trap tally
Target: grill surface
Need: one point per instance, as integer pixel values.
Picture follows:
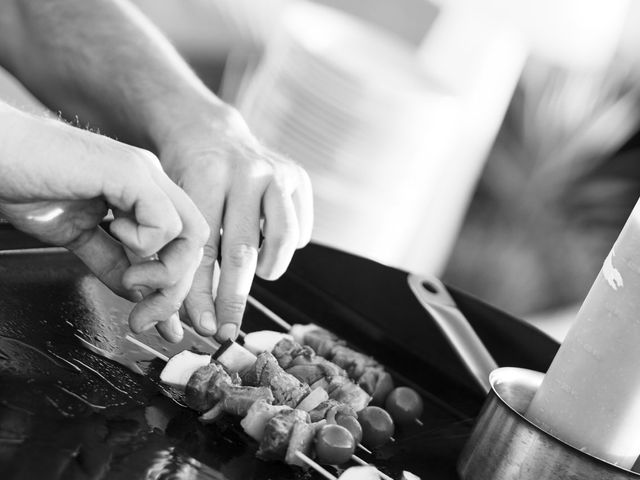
(72, 406)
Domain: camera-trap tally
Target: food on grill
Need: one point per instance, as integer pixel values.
(329, 409)
(286, 388)
(404, 405)
(350, 423)
(198, 395)
(360, 473)
(365, 370)
(234, 357)
(377, 426)
(257, 417)
(277, 433)
(334, 444)
(237, 400)
(281, 429)
(263, 340)
(302, 440)
(180, 367)
(302, 362)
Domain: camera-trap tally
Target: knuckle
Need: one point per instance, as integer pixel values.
(145, 158)
(242, 255)
(230, 306)
(209, 255)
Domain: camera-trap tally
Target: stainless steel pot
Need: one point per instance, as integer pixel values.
(506, 446)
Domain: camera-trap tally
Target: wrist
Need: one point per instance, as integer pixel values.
(182, 119)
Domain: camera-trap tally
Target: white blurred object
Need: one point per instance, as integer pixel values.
(253, 21)
(351, 104)
(575, 34)
(480, 60)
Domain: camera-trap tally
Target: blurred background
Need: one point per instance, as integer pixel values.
(492, 143)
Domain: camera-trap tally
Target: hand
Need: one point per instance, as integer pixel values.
(243, 190)
(57, 183)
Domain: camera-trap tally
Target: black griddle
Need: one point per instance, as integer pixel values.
(77, 401)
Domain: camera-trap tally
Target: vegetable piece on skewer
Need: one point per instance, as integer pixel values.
(263, 340)
(180, 367)
(377, 426)
(234, 357)
(299, 331)
(311, 401)
(351, 424)
(360, 473)
(334, 444)
(404, 405)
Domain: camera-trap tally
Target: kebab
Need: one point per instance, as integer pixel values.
(340, 401)
(373, 426)
(325, 361)
(405, 404)
(281, 430)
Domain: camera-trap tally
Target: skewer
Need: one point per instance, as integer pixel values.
(364, 449)
(316, 466)
(269, 313)
(301, 455)
(146, 347)
(287, 326)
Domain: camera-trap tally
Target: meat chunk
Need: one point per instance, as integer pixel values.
(237, 400)
(287, 389)
(199, 393)
(257, 417)
(277, 434)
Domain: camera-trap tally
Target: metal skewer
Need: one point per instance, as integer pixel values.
(301, 455)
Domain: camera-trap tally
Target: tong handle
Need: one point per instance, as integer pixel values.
(436, 300)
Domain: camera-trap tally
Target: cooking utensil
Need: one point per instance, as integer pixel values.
(504, 445)
(436, 300)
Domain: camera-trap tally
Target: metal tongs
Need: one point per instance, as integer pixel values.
(436, 300)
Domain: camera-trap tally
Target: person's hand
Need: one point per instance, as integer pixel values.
(244, 191)
(57, 183)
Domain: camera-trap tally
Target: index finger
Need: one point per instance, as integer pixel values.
(240, 240)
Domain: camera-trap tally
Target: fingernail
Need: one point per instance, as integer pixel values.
(142, 290)
(228, 331)
(136, 296)
(176, 327)
(207, 322)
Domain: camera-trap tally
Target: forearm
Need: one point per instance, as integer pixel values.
(102, 61)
